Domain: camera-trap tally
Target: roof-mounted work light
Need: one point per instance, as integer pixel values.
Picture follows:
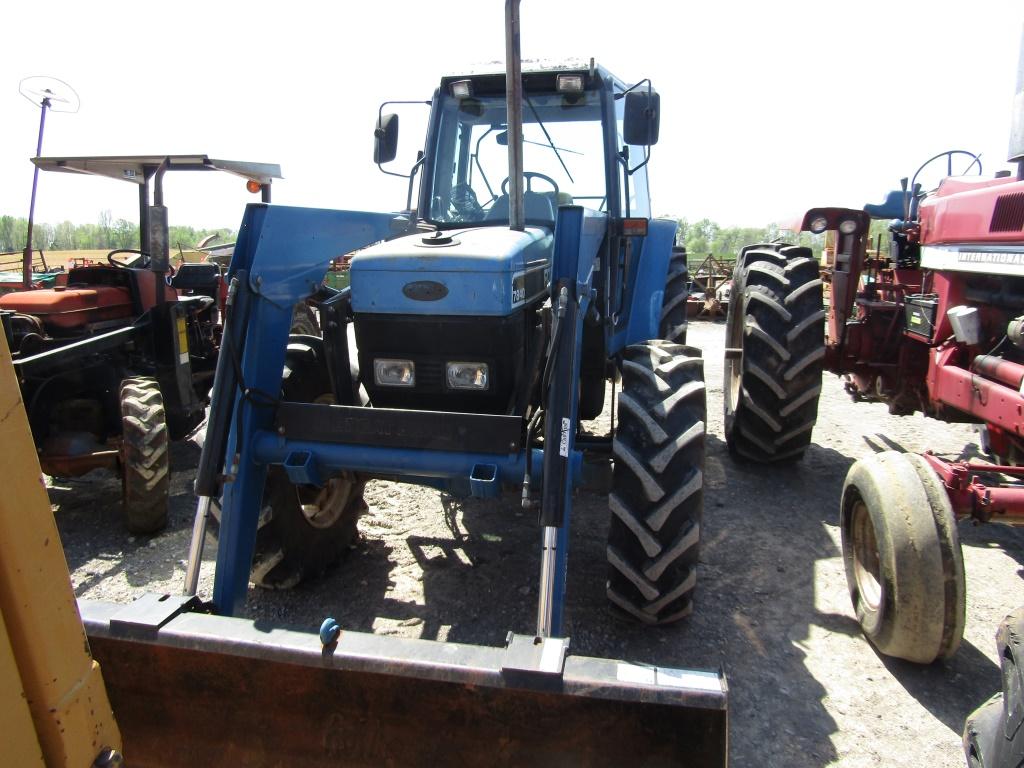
(462, 89)
(569, 83)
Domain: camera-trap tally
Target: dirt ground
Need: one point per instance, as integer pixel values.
(805, 688)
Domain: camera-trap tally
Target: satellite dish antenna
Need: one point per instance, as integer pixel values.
(49, 93)
(46, 93)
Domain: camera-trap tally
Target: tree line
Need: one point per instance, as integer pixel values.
(701, 238)
(106, 233)
(707, 238)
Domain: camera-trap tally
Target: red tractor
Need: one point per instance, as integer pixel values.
(118, 361)
(936, 326)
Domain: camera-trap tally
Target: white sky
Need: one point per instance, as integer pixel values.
(768, 108)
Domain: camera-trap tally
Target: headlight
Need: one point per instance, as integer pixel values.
(818, 225)
(848, 226)
(467, 376)
(394, 373)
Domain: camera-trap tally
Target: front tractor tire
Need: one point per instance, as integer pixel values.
(657, 493)
(145, 456)
(994, 733)
(304, 530)
(775, 349)
(904, 568)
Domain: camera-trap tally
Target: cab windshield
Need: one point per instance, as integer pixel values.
(563, 158)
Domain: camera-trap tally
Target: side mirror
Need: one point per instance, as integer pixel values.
(641, 117)
(385, 139)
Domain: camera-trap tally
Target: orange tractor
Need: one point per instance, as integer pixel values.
(117, 362)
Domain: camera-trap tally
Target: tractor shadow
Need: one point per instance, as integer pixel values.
(353, 592)
(758, 614)
(756, 607)
(950, 689)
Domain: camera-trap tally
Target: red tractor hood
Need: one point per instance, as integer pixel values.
(974, 211)
(69, 308)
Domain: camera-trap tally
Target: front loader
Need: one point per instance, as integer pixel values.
(163, 683)
(480, 328)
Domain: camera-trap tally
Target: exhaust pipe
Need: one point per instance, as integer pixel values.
(1016, 153)
(514, 105)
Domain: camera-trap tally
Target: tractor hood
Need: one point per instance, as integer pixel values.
(63, 309)
(480, 271)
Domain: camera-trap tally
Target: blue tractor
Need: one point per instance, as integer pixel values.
(482, 326)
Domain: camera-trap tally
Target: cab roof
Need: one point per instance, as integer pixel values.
(538, 74)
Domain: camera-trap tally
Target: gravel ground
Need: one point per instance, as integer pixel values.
(805, 688)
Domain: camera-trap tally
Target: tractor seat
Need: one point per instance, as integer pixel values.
(197, 277)
(892, 208)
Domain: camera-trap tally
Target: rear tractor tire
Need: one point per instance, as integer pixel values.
(657, 493)
(775, 348)
(304, 530)
(145, 456)
(674, 323)
(304, 322)
(904, 568)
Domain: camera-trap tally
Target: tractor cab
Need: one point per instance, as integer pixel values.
(584, 142)
(564, 150)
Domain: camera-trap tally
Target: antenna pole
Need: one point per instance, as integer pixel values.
(26, 263)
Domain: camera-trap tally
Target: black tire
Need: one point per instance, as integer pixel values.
(304, 322)
(994, 733)
(294, 542)
(145, 455)
(657, 493)
(904, 568)
(775, 348)
(674, 323)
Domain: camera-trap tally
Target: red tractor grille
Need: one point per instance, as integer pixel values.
(1008, 214)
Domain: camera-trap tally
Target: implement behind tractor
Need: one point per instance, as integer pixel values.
(486, 324)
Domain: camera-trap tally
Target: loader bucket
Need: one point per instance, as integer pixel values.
(197, 689)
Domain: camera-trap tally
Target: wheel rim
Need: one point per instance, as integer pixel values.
(866, 567)
(734, 365)
(325, 506)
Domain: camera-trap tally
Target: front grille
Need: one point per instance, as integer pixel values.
(429, 375)
(431, 342)
(1008, 213)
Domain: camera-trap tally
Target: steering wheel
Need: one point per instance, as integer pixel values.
(530, 176)
(465, 203)
(141, 260)
(948, 154)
